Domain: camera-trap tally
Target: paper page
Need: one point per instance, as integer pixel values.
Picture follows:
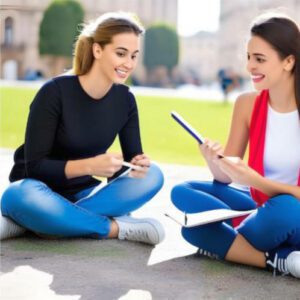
(206, 217)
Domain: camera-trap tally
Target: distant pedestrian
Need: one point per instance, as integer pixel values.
(73, 121)
(228, 82)
(270, 120)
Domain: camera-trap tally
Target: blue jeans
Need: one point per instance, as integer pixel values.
(32, 204)
(274, 225)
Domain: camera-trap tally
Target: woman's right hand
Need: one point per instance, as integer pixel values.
(211, 150)
(105, 165)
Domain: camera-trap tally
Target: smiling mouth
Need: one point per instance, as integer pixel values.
(257, 78)
(122, 73)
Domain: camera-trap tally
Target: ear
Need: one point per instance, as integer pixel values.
(97, 50)
(289, 63)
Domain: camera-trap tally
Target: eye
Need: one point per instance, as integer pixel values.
(121, 53)
(260, 59)
(134, 56)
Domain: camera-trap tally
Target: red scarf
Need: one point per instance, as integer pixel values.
(257, 136)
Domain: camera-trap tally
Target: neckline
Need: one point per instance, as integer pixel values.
(89, 96)
(281, 113)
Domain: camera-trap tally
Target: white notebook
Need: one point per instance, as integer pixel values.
(206, 217)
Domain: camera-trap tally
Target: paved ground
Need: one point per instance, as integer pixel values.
(34, 269)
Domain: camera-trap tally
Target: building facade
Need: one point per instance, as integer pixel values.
(20, 21)
(201, 55)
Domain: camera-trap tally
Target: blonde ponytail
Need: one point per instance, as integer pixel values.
(83, 55)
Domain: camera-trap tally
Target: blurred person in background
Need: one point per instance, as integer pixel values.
(229, 81)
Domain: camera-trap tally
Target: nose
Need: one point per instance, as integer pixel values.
(129, 64)
(250, 65)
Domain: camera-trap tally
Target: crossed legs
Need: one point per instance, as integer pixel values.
(273, 225)
(35, 206)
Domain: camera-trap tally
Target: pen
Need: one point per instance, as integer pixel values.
(129, 165)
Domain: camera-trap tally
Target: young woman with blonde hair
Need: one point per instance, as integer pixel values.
(73, 121)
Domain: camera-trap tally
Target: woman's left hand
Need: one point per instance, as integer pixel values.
(238, 170)
(143, 161)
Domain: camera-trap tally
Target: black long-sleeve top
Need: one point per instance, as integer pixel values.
(65, 123)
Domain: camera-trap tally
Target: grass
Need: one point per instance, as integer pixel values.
(163, 139)
(14, 108)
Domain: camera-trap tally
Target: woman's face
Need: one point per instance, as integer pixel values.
(117, 60)
(265, 66)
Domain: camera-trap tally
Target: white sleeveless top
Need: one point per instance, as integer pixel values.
(282, 147)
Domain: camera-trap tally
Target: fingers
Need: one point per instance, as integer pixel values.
(211, 150)
(142, 163)
(106, 165)
(141, 160)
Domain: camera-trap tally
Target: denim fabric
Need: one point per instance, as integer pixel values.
(32, 204)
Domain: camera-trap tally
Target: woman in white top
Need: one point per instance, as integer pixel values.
(269, 120)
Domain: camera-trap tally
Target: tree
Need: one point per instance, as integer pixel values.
(161, 48)
(59, 28)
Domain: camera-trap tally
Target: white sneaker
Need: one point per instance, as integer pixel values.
(9, 229)
(293, 263)
(148, 231)
(286, 265)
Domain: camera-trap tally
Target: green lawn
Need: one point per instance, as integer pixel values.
(163, 139)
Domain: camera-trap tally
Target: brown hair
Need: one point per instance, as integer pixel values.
(283, 35)
(101, 31)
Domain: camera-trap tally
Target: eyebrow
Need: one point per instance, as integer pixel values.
(257, 54)
(122, 48)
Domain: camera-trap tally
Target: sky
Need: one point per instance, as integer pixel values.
(197, 15)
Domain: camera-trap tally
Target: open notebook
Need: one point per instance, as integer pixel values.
(206, 217)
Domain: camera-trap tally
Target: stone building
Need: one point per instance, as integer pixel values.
(20, 20)
(201, 55)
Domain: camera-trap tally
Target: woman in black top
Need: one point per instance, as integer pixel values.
(73, 120)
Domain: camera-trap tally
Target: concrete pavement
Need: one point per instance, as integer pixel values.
(32, 268)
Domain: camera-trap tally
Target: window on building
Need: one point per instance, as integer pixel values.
(8, 34)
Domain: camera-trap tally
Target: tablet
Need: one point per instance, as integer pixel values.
(192, 131)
